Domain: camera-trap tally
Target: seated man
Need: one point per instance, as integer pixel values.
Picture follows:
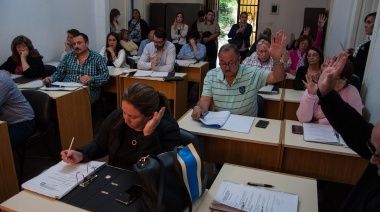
(193, 50)
(234, 87)
(158, 55)
(69, 41)
(145, 42)
(82, 65)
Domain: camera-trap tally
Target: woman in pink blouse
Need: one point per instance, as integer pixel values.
(309, 109)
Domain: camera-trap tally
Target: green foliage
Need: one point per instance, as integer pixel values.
(226, 14)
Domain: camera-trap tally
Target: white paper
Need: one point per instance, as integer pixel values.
(319, 133)
(185, 63)
(32, 85)
(238, 123)
(61, 178)
(68, 84)
(251, 198)
(110, 68)
(159, 74)
(215, 118)
(266, 89)
(59, 88)
(135, 58)
(144, 73)
(15, 76)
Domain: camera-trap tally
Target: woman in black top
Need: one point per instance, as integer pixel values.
(312, 67)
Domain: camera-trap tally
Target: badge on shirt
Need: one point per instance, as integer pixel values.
(242, 89)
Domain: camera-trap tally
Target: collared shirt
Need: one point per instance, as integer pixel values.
(241, 96)
(166, 57)
(142, 46)
(69, 70)
(254, 60)
(187, 51)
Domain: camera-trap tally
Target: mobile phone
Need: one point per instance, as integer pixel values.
(130, 195)
(262, 124)
(297, 129)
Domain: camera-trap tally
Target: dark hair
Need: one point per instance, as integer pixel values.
(118, 45)
(160, 33)
(347, 72)
(369, 15)
(201, 13)
(210, 11)
(136, 11)
(320, 54)
(227, 47)
(302, 38)
(264, 37)
(114, 12)
(145, 98)
(242, 13)
(84, 36)
(73, 32)
(121, 35)
(23, 39)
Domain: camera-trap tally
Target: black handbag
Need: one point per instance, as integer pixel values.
(171, 181)
(236, 41)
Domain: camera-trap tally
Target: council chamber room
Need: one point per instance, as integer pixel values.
(205, 105)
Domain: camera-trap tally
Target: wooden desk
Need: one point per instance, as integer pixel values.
(113, 85)
(174, 90)
(259, 148)
(8, 176)
(196, 73)
(288, 83)
(273, 105)
(292, 99)
(320, 161)
(305, 188)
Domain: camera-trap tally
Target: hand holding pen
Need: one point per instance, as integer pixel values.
(197, 113)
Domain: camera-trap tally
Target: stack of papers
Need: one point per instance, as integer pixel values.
(144, 73)
(321, 133)
(15, 76)
(185, 63)
(62, 86)
(239, 197)
(226, 121)
(135, 58)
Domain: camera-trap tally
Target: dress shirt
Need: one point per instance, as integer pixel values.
(166, 57)
(187, 51)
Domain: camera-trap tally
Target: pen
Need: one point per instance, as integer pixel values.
(59, 86)
(203, 115)
(260, 184)
(71, 144)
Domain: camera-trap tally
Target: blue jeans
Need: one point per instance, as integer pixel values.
(20, 132)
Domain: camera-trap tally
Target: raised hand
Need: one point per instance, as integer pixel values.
(277, 46)
(325, 63)
(321, 21)
(310, 84)
(331, 73)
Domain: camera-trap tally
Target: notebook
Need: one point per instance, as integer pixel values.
(226, 121)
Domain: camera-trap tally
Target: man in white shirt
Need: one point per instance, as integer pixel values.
(158, 55)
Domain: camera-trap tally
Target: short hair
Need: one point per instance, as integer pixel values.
(201, 13)
(23, 39)
(242, 13)
(369, 15)
(227, 47)
(302, 38)
(160, 33)
(347, 72)
(73, 32)
(320, 54)
(193, 34)
(145, 98)
(268, 39)
(84, 36)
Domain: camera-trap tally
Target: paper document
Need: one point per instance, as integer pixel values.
(135, 58)
(32, 85)
(68, 84)
(269, 89)
(320, 133)
(185, 63)
(15, 76)
(226, 121)
(144, 73)
(61, 178)
(239, 197)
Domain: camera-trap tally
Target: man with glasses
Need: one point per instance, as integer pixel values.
(359, 135)
(158, 55)
(234, 87)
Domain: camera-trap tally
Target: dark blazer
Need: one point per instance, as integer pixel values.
(360, 60)
(297, 83)
(36, 66)
(245, 36)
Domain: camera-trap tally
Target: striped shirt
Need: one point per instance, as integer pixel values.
(69, 70)
(239, 98)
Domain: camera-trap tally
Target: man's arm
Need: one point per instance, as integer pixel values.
(144, 62)
(201, 107)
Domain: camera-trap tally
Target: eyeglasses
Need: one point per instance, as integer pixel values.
(312, 55)
(158, 42)
(263, 42)
(230, 65)
(372, 149)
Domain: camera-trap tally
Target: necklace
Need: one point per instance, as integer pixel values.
(134, 141)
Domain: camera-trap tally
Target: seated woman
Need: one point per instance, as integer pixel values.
(25, 59)
(312, 68)
(143, 126)
(128, 44)
(310, 111)
(302, 44)
(194, 50)
(113, 53)
(261, 56)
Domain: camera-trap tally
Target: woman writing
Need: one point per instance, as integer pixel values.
(312, 68)
(113, 53)
(243, 31)
(179, 31)
(138, 29)
(143, 126)
(25, 59)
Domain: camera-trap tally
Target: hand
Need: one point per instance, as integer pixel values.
(47, 80)
(67, 44)
(192, 42)
(155, 61)
(329, 76)
(350, 51)
(306, 31)
(311, 86)
(152, 124)
(111, 50)
(321, 21)
(72, 156)
(197, 112)
(293, 72)
(240, 30)
(24, 53)
(277, 46)
(85, 78)
(325, 63)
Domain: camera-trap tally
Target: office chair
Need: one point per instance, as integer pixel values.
(188, 137)
(260, 106)
(49, 70)
(40, 103)
(130, 62)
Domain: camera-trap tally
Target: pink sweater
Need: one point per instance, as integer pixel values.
(294, 56)
(310, 111)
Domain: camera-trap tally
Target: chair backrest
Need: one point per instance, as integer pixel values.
(188, 137)
(40, 103)
(49, 70)
(260, 106)
(130, 62)
(176, 67)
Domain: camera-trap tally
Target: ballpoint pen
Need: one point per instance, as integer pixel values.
(260, 185)
(203, 115)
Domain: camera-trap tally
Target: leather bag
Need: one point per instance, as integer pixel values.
(171, 181)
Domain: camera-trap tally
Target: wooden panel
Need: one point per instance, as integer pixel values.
(8, 183)
(290, 109)
(310, 19)
(289, 83)
(323, 166)
(156, 15)
(272, 109)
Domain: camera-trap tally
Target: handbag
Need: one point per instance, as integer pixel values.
(236, 41)
(171, 181)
